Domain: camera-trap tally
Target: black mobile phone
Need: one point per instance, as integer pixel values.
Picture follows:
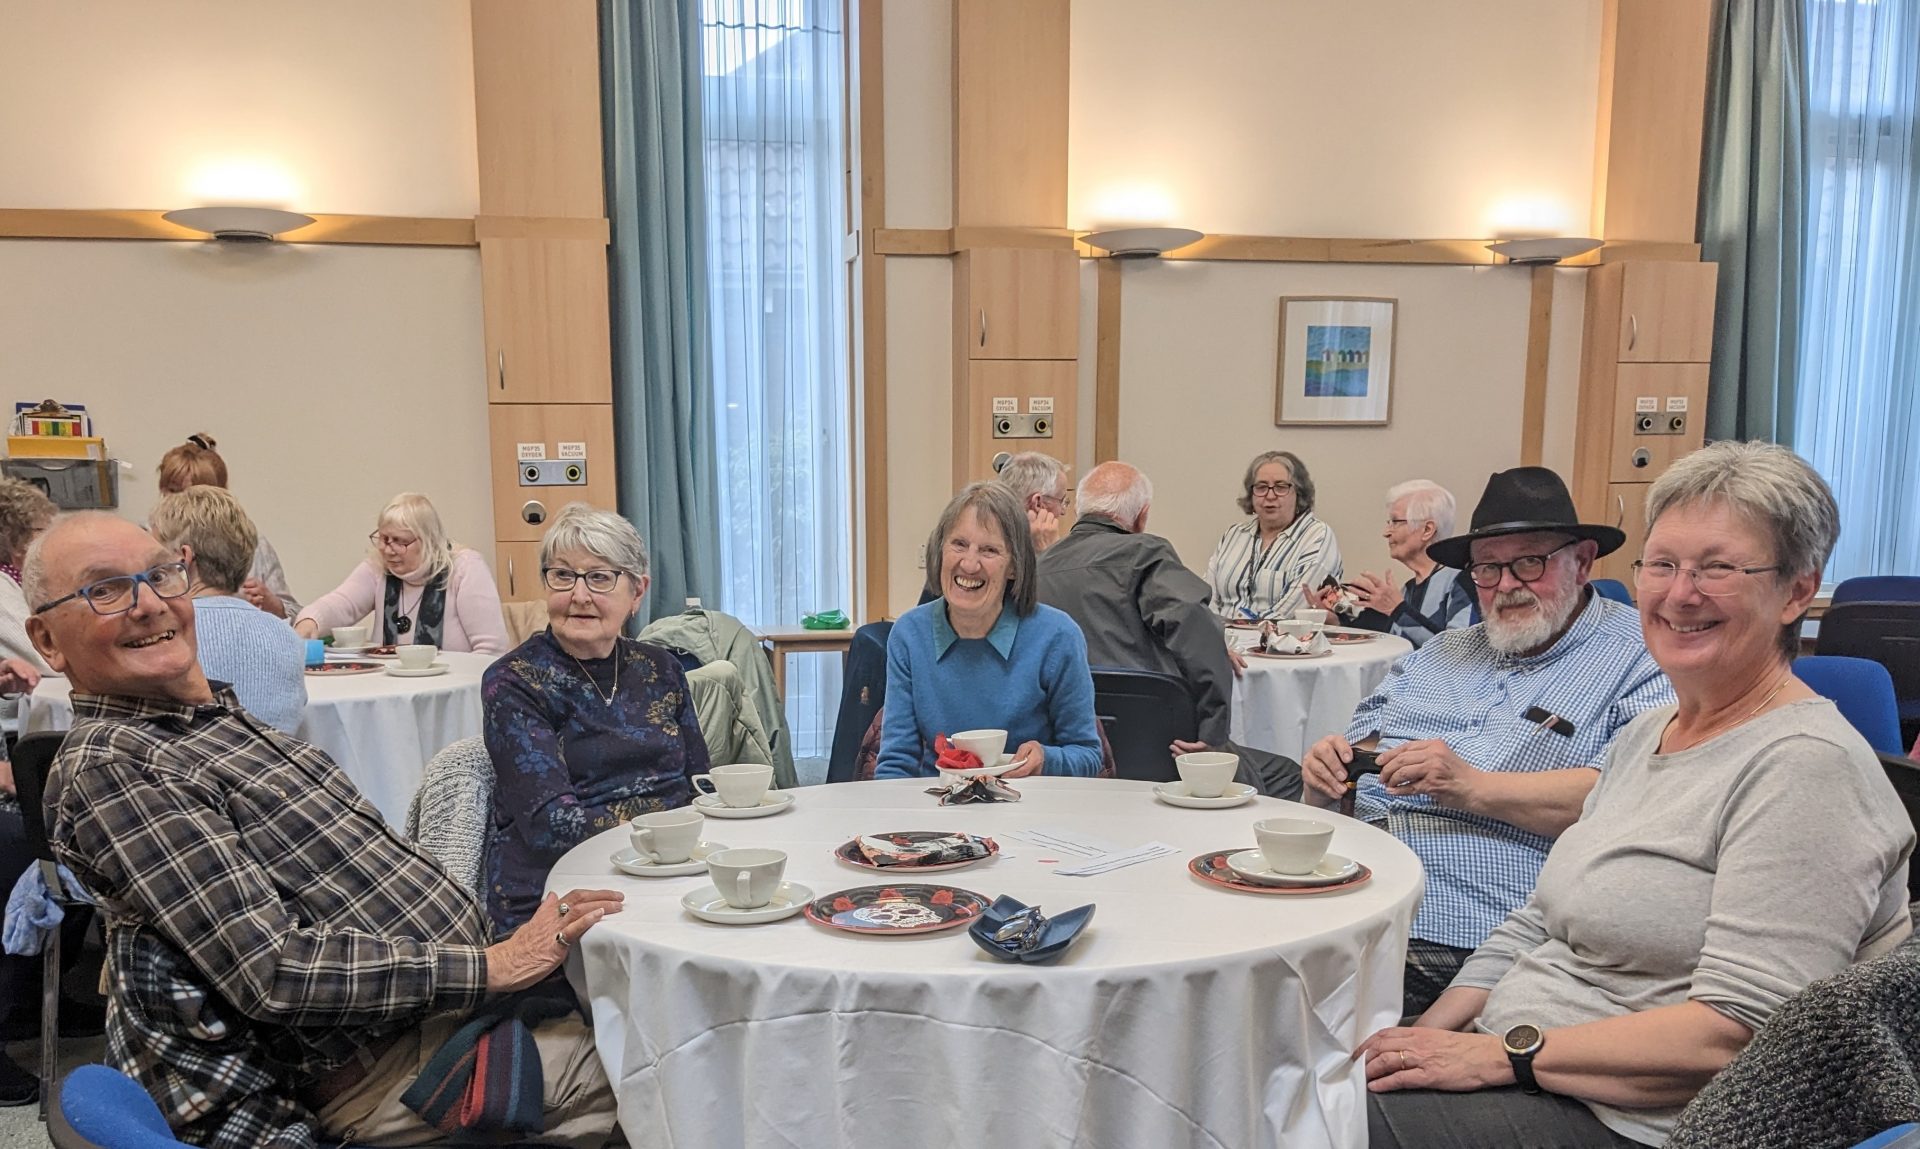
(1330, 582)
(1364, 762)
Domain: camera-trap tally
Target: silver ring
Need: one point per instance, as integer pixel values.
(564, 907)
(564, 943)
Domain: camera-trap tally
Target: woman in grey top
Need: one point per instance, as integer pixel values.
(1737, 847)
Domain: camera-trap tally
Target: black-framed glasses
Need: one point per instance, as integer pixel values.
(117, 594)
(1713, 579)
(564, 579)
(1526, 568)
(381, 539)
(1260, 489)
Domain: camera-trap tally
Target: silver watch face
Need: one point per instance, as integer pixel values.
(1522, 1039)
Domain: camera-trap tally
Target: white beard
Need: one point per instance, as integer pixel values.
(1518, 635)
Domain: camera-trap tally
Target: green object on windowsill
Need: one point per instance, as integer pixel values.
(825, 620)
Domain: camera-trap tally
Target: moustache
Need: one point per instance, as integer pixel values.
(1516, 598)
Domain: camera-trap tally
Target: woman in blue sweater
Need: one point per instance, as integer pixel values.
(986, 654)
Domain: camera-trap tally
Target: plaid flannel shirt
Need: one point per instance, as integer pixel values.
(264, 923)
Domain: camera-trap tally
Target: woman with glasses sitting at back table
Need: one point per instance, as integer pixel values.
(586, 728)
(1275, 562)
(420, 585)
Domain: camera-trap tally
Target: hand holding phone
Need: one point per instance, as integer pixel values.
(1364, 762)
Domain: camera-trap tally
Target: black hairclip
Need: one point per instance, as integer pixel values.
(1548, 720)
(200, 441)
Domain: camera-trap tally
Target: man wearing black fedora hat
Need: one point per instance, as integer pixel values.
(1491, 736)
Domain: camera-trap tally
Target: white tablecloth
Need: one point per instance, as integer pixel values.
(378, 728)
(1187, 1014)
(1286, 705)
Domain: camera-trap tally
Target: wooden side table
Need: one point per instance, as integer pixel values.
(784, 640)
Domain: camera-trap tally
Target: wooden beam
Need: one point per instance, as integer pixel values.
(54, 223)
(541, 227)
(870, 135)
(911, 240)
(1106, 362)
(1533, 404)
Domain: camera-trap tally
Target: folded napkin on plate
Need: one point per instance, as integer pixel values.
(1280, 642)
(933, 852)
(965, 790)
(947, 756)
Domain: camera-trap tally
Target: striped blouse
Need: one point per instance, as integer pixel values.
(1271, 581)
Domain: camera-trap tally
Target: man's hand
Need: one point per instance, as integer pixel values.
(1044, 525)
(6, 779)
(1033, 758)
(1178, 747)
(1429, 766)
(1325, 768)
(256, 592)
(1373, 590)
(1235, 660)
(17, 676)
(534, 950)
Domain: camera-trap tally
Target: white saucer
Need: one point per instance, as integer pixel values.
(1252, 865)
(355, 651)
(1288, 654)
(423, 672)
(1005, 764)
(706, 904)
(773, 803)
(627, 860)
(1175, 794)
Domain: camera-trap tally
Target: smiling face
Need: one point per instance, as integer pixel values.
(145, 652)
(974, 565)
(1275, 502)
(1696, 637)
(1524, 618)
(586, 624)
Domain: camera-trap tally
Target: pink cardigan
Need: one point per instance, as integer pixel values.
(473, 621)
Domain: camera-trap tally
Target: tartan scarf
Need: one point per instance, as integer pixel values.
(487, 1076)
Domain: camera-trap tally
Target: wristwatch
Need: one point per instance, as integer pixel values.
(1522, 1042)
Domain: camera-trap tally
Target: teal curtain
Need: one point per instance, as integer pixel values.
(657, 275)
(1753, 215)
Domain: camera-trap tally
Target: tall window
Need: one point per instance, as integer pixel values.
(1858, 407)
(771, 106)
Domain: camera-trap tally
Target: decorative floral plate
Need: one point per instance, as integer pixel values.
(344, 668)
(897, 909)
(1212, 867)
(1348, 637)
(849, 852)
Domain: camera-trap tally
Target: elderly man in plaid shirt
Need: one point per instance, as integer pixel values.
(1491, 736)
(283, 964)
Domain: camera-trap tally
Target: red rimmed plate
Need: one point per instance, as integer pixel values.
(338, 669)
(1211, 867)
(906, 908)
(1349, 637)
(849, 852)
(1287, 657)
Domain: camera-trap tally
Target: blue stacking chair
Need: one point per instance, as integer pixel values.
(97, 1107)
(1863, 690)
(1878, 588)
(1614, 589)
(1899, 1137)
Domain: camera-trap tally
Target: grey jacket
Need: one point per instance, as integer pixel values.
(1140, 607)
(710, 635)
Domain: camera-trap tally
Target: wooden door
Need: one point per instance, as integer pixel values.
(1627, 509)
(1010, 113)
(544, 304)
(517, 570)
(1666, 312)
(536, 70)
(1022, 303)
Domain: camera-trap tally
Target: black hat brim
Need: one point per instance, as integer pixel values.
(1457, 551)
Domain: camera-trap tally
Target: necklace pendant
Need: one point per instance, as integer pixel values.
(404, 625)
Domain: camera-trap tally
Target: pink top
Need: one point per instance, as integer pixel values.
(473, 621)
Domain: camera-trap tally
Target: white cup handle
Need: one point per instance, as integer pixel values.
(711, 792)
(645, 834)
(743, 887)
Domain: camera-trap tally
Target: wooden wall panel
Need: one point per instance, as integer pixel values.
(536, 79)
(1010, 113)
(549, 424)
(1653, 92)
(546, 320)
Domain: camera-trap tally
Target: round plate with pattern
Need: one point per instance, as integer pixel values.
(1348, 637)
(849, 852)
(897, 909)
(1212, 867)
(345, 668)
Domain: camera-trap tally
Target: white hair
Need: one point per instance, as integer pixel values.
(603, 534)
(1032, 473)
(1120, 501)
(1427, 502)
(33, 568)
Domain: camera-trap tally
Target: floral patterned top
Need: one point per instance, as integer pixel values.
(568, 763)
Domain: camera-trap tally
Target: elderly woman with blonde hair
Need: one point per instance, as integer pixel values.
(421, 586)
(587, 728)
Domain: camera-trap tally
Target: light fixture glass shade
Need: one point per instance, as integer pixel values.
(1141, 242)
(1546, 250)
(245, 224)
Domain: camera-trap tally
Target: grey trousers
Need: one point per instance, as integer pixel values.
(1504, 1118)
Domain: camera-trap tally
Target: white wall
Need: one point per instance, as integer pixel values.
(332, 377)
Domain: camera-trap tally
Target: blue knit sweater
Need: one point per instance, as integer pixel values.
(1028, 677)
(259, 654)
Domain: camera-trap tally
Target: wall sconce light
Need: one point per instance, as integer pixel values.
(236, 224)
(1141, 242)
(1542, 252)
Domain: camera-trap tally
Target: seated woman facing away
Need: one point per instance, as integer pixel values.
(586, 728)
(1737, 847)
(421, 586)
(986, 654)
(238, 642)
(197, 463)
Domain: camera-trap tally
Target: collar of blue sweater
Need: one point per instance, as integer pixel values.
(1000, 637)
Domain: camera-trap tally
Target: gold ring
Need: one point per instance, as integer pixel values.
(1403, 1059)
(564, 907)
(564, 943)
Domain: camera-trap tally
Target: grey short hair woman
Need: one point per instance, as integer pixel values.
(1275, 562)
(586, 728)
(1738, 846)
(987, 654)
(1038, 482)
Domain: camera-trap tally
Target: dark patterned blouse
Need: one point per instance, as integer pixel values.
(568, 763)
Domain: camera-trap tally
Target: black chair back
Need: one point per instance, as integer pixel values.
(1142, 712)
(863, 691)
(1886, 632)
(1904, 773)
(32, 760)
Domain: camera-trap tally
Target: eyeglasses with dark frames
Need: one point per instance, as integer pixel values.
(1260, 489)
(1526, 568)
(118, 593)
(564, 579)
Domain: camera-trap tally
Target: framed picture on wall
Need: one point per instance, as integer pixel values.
(1336, 360)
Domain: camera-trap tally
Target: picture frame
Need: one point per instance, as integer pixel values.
(1336, 361)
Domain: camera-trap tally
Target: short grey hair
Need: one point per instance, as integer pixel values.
(23, 507)
(994, 503)
(1032, 473)
(33, 570)
(1117, 491)
(1427, 502)
(1302, 482)
(602, 534)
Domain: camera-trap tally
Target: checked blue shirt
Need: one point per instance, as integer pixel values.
(1458, 688)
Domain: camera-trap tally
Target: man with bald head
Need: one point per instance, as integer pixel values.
(283, 964)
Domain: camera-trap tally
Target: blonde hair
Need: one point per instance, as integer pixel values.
(23, 508)
(212, 522)
(414, 513)
(193, 463)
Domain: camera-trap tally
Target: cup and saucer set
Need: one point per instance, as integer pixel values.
(741, 790)
(1291, 858)
(1205, 782)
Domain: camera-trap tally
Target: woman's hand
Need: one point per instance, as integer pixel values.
(1408, 1058)
(1373, 590)
(307, 628)
(17, 676)
(256, 592)
(535, 950)
(1033, 756)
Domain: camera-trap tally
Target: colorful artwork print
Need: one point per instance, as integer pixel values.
(1338, 361)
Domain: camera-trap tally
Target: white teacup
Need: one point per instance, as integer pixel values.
(1206, 773)
(740, 785)
(416, 656)
(1312, 614)
(351, 635)
(987, 745)
(747, 878)
(1292, 845)
(665, 837)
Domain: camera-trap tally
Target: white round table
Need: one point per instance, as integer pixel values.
(377, 728)
(1187, 1014)
(1286, 705)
